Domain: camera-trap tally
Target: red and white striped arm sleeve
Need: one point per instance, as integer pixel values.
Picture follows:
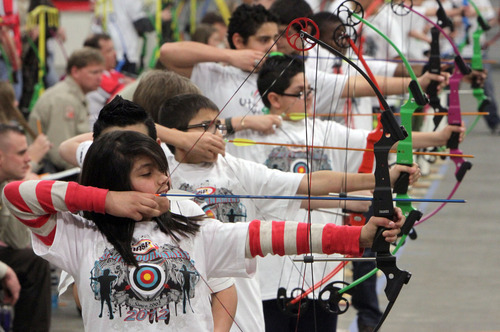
(36, 203)
(292, 238)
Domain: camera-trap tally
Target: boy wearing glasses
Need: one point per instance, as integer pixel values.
(281, 83)
(234, 176)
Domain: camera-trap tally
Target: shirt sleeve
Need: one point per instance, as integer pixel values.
(258, 179)
(81, 152)
(293, 238)
(36, 203)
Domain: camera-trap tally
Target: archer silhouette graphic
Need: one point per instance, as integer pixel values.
(105, 281)
(186, 287)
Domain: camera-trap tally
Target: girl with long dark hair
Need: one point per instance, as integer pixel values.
(136, 252)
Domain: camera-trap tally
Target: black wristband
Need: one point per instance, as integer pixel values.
(229, 126)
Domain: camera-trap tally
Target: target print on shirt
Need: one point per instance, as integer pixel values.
(164, 279)
(294, 160)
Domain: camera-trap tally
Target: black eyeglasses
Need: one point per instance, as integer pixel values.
(299, 95)
(210, 125)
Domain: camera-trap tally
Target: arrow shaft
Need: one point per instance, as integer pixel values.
(306, 198)
(249, 143)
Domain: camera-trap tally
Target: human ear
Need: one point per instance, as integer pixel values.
(274, 100)
(238, 41)
(74, 71)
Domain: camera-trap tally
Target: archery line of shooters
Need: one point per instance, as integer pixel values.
(225, 106)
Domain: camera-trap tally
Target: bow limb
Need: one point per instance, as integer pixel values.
(366, 165)
(385, 261)
(454, 118)
(383, 207)
(477, 63)
(415, 101)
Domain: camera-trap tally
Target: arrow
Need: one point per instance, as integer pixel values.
(301, 116)
(249, 142)
(179, 195)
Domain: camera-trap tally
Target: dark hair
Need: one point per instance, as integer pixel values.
(121, 112)
(276, 75)
(4, 130)
(246, 20)
(325, 20)
(83, 57)
(212, 18)
(107, 165)
(93, 40)
(176, 112)
(156, 86)
(288, 10)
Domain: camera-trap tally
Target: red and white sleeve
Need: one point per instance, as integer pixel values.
(36, 203)
(294, 238)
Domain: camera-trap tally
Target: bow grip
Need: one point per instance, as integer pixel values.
(402, 183)
(453, 140)
(420, 98)
(380, 245)
(434, 67)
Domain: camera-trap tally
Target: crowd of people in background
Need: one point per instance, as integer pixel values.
(135, 119)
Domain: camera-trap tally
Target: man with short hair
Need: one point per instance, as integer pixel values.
(33, 309)
(112, 81)
(61, 112)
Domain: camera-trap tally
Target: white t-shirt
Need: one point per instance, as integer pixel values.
(329, 86)
(414, 48)
(219, 83)
(292, 159)
(230, 175)
(275, 272)
(138, 297)
(361, 105)
(192, 210)
(389, 24)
